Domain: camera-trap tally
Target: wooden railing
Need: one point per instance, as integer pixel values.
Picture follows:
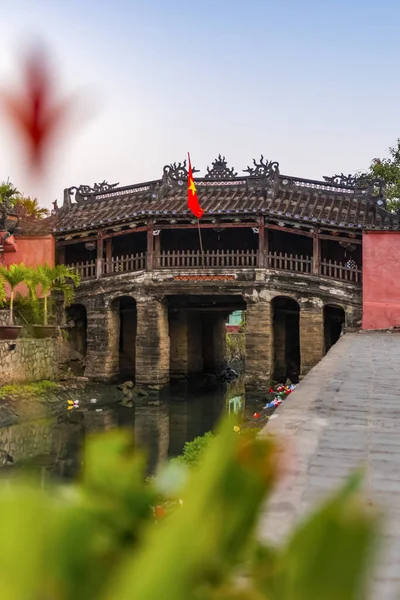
(86, 270)
(289, 262)
(210, 259)
(125, 264)
(216, 259)
(340, 271)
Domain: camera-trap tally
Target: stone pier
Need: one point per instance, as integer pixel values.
(186, 344)
(214, 341)
(259, 345)
(152, 343)
(312, 339)
(102, 358)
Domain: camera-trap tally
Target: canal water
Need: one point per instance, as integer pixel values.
(52, 447)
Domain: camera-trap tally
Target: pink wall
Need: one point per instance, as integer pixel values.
(381, 280)
(32, 251)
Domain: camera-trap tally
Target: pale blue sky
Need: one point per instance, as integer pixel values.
(311, 83)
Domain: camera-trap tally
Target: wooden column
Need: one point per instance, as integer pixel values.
(316, 252)
(99, 260)
(266, 247)
(157, 250)
(150, 245)
(261, 247)
(108, 255)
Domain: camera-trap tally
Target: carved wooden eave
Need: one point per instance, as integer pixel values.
(343, 203)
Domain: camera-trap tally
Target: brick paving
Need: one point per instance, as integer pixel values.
(344, 414)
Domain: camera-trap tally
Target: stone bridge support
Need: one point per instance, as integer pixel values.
(214, 342)
(186, 344)
(102, 356)
(259, 345)
(152, 343)
(312, 342)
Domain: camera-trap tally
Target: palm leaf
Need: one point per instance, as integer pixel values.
(15, 274)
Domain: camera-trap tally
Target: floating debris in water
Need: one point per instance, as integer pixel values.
(236, 429)
(281, 392)
(93, 401)
(73, 404)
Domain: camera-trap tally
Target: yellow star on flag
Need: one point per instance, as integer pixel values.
(192, 187)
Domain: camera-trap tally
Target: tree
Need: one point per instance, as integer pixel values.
(31, 208)
(56, 279)
(388, 169)
(9, 194)
(13, 276)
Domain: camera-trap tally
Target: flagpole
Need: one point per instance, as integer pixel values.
(201, 243)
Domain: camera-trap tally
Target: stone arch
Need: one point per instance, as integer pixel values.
(286, 338)
(123, 328)
(76, 317)
(334, 321)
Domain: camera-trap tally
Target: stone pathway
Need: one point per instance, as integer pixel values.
(344, 414)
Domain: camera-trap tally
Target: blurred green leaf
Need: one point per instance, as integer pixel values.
(200, 543)
(328, 555)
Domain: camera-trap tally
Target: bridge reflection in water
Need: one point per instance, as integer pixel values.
(51, 448)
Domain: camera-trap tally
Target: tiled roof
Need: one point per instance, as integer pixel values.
(36, 227)
(277, 197)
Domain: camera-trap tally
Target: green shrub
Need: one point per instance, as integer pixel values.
(37, 388)
(235, 346)
(193, 451)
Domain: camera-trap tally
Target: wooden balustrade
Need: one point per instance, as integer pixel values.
(216, 259)
(210, 259)
(289, 262)
(337, 270)
(86, 270)
(125, 264)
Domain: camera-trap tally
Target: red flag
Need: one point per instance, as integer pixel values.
(193, 201)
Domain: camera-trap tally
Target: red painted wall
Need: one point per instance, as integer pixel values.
(32, 251)
(381, 280)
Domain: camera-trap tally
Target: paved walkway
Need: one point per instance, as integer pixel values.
(346, 412)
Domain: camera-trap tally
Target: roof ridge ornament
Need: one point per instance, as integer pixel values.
(367, 185)
(83, 191)
(265, 169)
(176, 172)
(356, 181)
(220, 169)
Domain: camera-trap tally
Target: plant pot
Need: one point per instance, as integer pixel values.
(42, 332)
(10, 332)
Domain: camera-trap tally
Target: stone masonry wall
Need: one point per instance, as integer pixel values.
(28, 360)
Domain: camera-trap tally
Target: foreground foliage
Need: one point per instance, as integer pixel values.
(98, 539)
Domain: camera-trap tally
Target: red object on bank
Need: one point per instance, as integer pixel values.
(193, 201)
